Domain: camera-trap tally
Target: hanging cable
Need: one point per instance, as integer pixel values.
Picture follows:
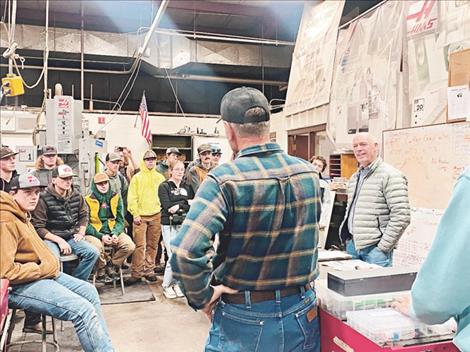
(174, 92)
(136, 64)
(45, 56)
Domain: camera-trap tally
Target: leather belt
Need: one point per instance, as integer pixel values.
(261, 296)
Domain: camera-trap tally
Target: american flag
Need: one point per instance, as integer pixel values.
(144, 115)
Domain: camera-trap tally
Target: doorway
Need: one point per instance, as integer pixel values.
(309, 141)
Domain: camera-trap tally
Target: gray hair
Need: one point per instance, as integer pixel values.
(252, 129)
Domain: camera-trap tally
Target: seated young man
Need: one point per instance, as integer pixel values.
(106, 226)
(61, 218)
(33, 271)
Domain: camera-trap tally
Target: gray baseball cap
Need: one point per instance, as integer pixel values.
(173, 150)
(24, 181)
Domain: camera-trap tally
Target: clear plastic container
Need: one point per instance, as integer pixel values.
(337, 304)
(387, 326)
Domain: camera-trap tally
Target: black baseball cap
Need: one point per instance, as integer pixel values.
(238, 101)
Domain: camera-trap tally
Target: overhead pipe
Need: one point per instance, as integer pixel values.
(156, 21)
(224, 37)
(82, 54)
(183, 77)
(344, 25)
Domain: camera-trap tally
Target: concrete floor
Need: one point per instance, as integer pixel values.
(161, 325)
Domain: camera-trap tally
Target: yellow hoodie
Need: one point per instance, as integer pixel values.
(142, 197)
(24, 257)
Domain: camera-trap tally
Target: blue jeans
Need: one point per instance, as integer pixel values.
(371, 254)
(87, 256)
(285, 324)
(70, 299)
(169, 233)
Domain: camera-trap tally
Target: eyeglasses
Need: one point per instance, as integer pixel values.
(148, 159)
(49, 155)
(205, 153)
(115, 161)
(102, 183)
(216, 154)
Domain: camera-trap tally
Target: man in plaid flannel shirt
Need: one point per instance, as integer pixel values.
(265, 205)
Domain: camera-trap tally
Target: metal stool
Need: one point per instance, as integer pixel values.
(111, 250)
(43, 340)
(64, 259)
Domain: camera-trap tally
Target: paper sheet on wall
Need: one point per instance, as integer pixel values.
(415, 243)
(366, 73)
(312, 66)
(458, 102)
(428, 55)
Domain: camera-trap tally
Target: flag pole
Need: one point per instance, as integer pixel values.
(135, 122)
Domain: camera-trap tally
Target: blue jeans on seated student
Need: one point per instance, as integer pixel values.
(87, 256)
(285, 324)
(70, 299)
(371, 254)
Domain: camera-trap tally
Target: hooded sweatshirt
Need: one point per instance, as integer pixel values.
(23, 255)
(142, 198)
(106, 213)
(442, 287)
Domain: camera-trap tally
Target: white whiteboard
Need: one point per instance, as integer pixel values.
(432, 158)
(415, 243)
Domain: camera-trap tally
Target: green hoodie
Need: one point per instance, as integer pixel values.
(105, 213)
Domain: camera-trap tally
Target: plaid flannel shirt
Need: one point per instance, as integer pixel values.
(265, 205)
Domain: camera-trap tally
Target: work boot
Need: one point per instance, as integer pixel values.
(132, 281)
(35, 329)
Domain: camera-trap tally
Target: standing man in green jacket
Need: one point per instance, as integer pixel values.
(144, 205)
(106, 226)
(378, 210)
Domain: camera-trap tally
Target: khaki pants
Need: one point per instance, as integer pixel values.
(124, 248)
(146, 237)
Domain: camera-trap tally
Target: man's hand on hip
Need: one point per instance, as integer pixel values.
(219, 290)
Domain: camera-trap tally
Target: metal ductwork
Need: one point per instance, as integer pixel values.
(169, 50)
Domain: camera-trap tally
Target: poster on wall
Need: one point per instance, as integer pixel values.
(312, 67)
(422, 17)
(428, 58)
(366, 74)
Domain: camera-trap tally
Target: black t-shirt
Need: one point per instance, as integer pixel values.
(171, 195)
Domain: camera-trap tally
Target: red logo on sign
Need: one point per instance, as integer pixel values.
(101, 120)
(63, 103)
(424, 19)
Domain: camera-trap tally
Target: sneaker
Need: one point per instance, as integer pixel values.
(178, 291)
(169, 293)
(132, 280)
(151, 277)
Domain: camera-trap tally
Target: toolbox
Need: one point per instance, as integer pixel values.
(378, 280)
